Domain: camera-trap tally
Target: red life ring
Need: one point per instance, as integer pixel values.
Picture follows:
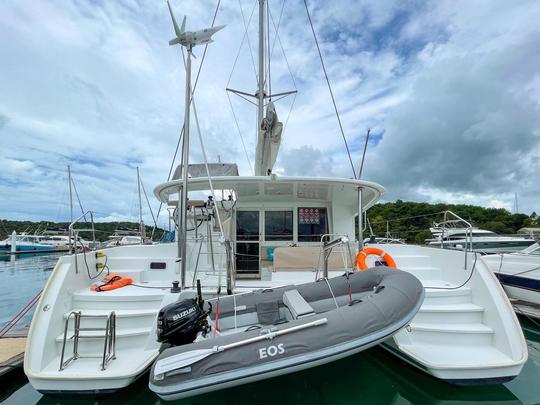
(362, 256)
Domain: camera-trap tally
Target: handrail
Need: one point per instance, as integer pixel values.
(73, 235)
(469, 230)
(327, 247)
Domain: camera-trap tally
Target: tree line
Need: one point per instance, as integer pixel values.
(411, 220)
(103, 229)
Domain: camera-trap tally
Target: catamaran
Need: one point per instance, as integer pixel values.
(266, 232)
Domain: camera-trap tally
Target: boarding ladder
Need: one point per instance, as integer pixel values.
(109, 347)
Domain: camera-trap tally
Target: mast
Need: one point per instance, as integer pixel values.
(182, 235)
(141, 223)
(268, 127)
(70, 195)
(260, 86)
(188, 40)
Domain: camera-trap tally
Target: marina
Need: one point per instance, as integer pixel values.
(278, 283)
(374, 375)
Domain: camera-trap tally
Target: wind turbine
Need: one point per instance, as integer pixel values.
(187, 39)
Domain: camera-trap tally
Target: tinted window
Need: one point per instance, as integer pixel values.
(312, 223)
(247, 225)
(278, 225)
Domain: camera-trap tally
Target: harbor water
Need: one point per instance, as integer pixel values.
(371, 377)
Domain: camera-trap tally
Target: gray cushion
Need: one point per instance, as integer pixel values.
(298, 306)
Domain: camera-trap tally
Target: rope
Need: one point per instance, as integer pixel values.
(330, 89)
(331, 292)
(464, 283)
(20, 314)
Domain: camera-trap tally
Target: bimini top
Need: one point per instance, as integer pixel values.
(261, 189)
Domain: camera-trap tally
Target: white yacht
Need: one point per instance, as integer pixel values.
(519, 273)
(125, 236)
(271, 231)
(482, 241)
(25, 243)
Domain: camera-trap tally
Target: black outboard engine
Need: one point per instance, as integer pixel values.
(180, 322)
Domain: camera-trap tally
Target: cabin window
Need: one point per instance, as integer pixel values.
(278, 225)
(247, 225)
(312, 223)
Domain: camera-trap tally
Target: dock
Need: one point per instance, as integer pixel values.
(11, 354)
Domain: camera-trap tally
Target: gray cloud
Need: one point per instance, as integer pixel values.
(96, 85)
(3, 121)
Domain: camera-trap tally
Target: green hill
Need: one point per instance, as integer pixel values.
(411, 220)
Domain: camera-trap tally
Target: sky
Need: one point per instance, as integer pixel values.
(450, 90)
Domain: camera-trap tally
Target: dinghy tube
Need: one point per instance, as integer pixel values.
(267, 333)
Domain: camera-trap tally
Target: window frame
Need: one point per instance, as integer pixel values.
(294, 227)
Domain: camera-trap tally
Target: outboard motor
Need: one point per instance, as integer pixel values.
(180, 322)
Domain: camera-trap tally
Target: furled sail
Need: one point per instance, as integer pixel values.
(268, 142)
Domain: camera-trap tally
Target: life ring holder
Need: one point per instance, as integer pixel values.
(362, 256)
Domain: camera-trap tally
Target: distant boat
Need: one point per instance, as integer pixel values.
(519, 273)
(125, 237)
(483, 241)
(27, 243)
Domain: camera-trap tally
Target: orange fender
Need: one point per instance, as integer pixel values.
(362, 256)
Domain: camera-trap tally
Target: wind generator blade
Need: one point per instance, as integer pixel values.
(183, 27)
(176, 29)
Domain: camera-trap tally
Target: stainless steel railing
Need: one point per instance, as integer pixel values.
(456, 220)
(74, 233)
(326, 247)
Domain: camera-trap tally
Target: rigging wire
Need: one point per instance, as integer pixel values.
(276, 28)
(182, 131)
(240, 133)
(246, 36)
(148, 202)
(78, 199)
(281, 44)
(364, 155)
(330, 89)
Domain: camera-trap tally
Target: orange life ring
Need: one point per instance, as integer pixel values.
(112, 282)
(362, 256)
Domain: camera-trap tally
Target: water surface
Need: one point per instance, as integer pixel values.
(371, 377)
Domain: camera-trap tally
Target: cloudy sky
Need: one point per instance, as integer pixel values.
(450, 89)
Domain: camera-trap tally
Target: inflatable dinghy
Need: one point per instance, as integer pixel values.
(265, 333)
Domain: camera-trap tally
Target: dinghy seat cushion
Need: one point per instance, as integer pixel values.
(298, 306)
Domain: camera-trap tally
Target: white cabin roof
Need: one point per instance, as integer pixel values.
(282, 189)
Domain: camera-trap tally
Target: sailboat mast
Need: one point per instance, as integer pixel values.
(182, 236)
(141, 224)
(260, 87)
(70, 195)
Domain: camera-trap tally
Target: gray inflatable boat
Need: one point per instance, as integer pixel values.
(266, 333)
